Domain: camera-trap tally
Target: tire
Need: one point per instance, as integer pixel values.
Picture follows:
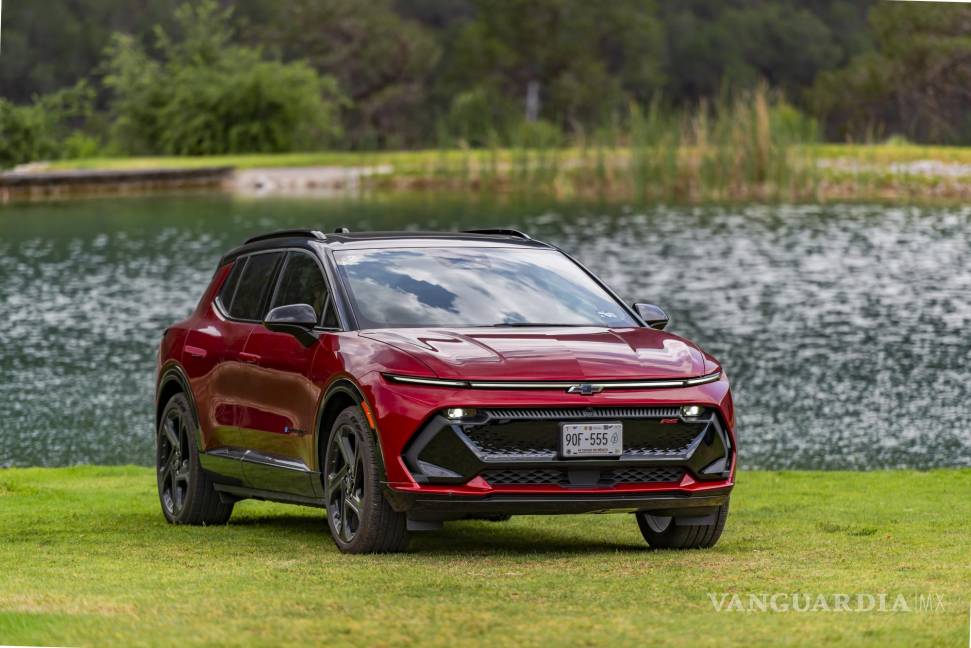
(663, 533)
(358, 515)
(185, 491)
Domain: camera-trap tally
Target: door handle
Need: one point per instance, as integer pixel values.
(252, 358)
(195, 351)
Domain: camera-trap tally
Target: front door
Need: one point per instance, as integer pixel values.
(276, 426)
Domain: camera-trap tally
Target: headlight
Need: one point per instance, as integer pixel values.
(691, 411)
(434, 382)
(460, 412)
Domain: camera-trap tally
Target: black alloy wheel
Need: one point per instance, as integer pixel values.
(173, 462)
(185, 491)
(360, 518)
(345, 486)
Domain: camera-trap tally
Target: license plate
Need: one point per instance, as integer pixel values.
(591, 439)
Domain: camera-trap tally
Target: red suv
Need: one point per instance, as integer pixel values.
(399, 380)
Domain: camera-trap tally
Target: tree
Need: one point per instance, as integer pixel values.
(52, 44)
(381, 61)
(588, 59)
(735, 44)
(916, 83)
(206, 95)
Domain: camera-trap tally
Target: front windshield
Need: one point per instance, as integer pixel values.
(470, 287)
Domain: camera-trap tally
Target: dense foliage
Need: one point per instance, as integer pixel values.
(205, 95)
(264, 75)
(916, 83)
(41, 130)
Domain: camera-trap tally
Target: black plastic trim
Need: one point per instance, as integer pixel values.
(499, 231)
(244, 492)
(287, 233)
(455, 454)
(440, 507)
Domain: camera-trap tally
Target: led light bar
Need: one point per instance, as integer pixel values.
(596, 386)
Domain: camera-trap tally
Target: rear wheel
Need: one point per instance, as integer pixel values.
(662, 532)
(359, 517)
(185, 492)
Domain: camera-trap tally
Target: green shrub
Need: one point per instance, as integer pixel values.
(207, 96)
(539, 134)
(38, 131)
(477, 115)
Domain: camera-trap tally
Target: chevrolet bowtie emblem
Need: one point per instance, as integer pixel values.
(585, 389)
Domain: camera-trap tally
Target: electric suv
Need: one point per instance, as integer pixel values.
(401, 380)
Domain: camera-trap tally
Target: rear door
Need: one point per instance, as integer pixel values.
(207, 357)
(277, 423)
(244, 315)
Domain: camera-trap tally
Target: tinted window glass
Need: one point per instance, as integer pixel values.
(254, 284)
(474, 287)
(330, 317)
(301, 283)
(229, 286)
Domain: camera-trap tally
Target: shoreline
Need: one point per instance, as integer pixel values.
(820, 173)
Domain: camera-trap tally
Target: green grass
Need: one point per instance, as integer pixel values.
(86, 559)
(675, 171)
(399, 159)
(429, 159)
(888, 153)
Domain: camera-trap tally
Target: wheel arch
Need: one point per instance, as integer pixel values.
(340, 395)
(174, 381)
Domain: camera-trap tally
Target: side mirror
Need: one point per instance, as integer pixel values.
(298, 320)
(654, 316)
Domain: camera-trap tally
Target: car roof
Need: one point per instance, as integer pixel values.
(344, 239)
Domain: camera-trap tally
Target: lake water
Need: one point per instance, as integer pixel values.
(846, 330)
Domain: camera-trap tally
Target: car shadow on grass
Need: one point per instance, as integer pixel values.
(454, 538)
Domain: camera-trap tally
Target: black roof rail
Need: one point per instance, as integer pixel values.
(287, 233)
(499, 231)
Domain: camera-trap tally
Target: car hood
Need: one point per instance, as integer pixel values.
(588, 353)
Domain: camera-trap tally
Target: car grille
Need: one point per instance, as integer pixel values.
(561, 477)
(537, 437)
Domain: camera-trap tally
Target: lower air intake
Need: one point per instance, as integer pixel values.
(560, 477)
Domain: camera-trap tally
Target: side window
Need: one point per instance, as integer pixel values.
(301, 282)
(229, 286)
(330, 317)
(254, 284)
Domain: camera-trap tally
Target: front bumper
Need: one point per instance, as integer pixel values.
(670, 464)
(440, 507)
(453, 469)
(519, 447)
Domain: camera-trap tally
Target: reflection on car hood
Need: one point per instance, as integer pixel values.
(587, 353)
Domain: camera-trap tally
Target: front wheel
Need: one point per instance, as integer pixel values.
(662, 532)
(359, 517)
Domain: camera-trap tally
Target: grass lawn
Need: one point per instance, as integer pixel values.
(422, 160)
(86, 559)
(401, 160)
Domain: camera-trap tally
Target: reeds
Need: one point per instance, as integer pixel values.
(744, 146)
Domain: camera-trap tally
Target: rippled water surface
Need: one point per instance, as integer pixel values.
(846, 329)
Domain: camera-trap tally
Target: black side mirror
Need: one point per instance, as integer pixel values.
(298, 320)
(653, 316)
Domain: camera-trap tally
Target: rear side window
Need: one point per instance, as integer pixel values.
(229, 286)
(330, 317)
(301, 282)
(254, 285)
